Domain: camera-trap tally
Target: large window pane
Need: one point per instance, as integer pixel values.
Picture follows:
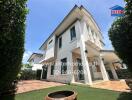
(60, 42)
(52, 69)
(64, 66)
(73, 33)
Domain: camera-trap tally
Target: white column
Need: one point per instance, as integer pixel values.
(48, 71)
(41, 73)
(87, 73)
(103, 69)
(113, 71)
(71, 69)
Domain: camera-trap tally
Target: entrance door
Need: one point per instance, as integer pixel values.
(44, 76)
(110, 74)
(80, 69)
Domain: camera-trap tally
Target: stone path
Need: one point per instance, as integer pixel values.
(119, 85)
(30, 85)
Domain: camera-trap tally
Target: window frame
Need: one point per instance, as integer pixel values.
(50, 41)
(73, 33)
(64, 67)
(52, 69)
(88, 30)
(60, 43)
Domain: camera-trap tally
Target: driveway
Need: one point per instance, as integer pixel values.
(30, 85)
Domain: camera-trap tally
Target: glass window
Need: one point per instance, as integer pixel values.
(64, 66)
(73, 33)
(60, 42)
(50, 41)
(52, 69)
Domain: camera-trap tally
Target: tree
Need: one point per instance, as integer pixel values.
(12, 34)
(120, 34)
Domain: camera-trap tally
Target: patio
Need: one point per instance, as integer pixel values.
(30, 85)
(115, 85)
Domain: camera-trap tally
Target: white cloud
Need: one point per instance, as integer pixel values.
(26, 55)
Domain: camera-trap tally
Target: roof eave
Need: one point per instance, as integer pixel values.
(58, 26)
(32, 55)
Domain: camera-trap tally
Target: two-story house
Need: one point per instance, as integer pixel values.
(74, 51)
(34, 60)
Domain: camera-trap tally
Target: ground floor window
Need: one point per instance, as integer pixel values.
(52, 69)
(80, 69)
(64, 66)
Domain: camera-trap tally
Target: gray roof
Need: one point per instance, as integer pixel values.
(39, 54)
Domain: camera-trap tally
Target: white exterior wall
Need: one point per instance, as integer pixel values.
(49, 53)
(87, 34)
(35, 60)
(90, 34)
(37, 66)
(97, 75)
(65, 52)
(35, 63)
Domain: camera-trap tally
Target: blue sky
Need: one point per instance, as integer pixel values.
(45, 15)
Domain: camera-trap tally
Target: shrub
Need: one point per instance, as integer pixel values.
(27, 74)
(12, 31)
(123, 74)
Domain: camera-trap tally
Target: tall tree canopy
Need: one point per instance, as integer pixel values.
(12, 32)
(120, 34)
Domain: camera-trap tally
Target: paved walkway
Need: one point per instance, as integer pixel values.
(119, 85)
(26, 86)
(30, 85)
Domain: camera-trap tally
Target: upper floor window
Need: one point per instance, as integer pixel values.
(95, 35)
(73, 33)
(64, 66)
(32, 60)
(50, 41)
(60, 42)
(88, 28)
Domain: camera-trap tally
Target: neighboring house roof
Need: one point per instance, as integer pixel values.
(34, 55)
(110, 55)
(75, 7)
(117, 8)
(107, 51)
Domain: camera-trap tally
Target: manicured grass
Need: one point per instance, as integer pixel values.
(84, 93)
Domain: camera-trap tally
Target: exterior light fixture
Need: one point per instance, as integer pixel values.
(86, 51)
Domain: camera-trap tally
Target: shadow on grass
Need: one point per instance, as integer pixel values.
(7, 97)
(9, 92)
(125, 96)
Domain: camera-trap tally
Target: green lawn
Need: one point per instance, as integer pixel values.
(84, 93)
